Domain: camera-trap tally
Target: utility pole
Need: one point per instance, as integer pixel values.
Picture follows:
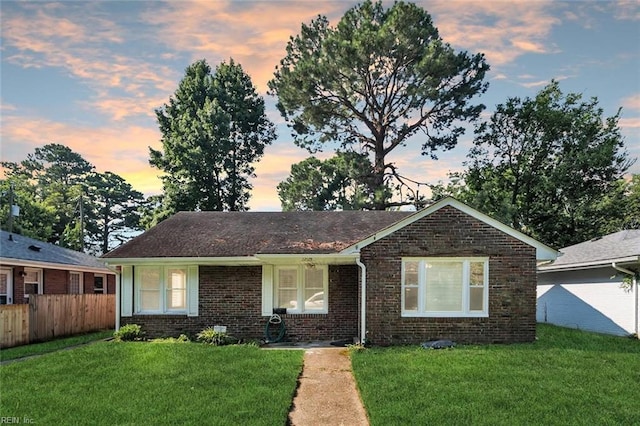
(10, 208)
(81, 223)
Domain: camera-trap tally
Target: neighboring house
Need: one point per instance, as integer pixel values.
(446, 271)
(29, 266)
(585, 287)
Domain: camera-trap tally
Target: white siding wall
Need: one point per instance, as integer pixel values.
(589, 300)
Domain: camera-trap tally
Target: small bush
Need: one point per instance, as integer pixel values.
(357, 347)
(128, 333)
(212, 337)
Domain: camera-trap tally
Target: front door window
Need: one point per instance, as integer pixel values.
(6, 286)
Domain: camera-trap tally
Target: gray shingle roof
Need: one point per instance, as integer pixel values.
(238, 234)
(30, 250)
(612, 247)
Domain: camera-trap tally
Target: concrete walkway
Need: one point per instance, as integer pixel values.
(327, 393)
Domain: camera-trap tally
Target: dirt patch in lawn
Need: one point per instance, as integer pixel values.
(327, 393)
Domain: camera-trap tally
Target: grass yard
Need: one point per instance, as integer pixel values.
(51, 346)
(567, 377)
(152, 383)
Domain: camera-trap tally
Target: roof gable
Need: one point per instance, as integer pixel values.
(543, 252)
(24, 250)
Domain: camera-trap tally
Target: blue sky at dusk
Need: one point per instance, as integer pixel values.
(89, 74)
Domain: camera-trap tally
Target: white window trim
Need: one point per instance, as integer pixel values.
(80, 281)
(40, 278)
(104, 283)
(300, 292)
(163, 290)
(465, 313)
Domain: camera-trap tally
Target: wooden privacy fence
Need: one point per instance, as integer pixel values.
(14, 325)
(54, 315)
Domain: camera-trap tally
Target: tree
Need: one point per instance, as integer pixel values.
(213, 130)
(375, 80)
(632, 204)
(548, 166)
(337, 182)
(64, 201)
(57, 174)
(115, 209)
(36, 219)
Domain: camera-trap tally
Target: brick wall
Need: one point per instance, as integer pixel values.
(55, 281)
(449, 232)
(111, 284)
(232, 296)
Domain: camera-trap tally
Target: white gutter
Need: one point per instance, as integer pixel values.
(542, 268)
(363, 300)
(634, 285)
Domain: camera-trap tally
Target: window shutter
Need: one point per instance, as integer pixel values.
(126, 282)
(267, 290)
(193, 288)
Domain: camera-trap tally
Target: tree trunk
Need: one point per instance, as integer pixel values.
(377, 179)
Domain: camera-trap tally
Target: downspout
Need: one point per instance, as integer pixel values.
(634, 286)
(363, 300)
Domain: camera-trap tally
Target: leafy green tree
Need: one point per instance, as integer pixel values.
(545, 165)
(338, 182)
(621, 206)
(64, 201)
(114, 210)
(632, 204)
(214, 129)
(36, 219)
(372, 82)
(57, 174)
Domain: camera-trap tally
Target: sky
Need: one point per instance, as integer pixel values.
(89, 74)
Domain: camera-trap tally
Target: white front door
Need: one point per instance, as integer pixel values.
(6, 286)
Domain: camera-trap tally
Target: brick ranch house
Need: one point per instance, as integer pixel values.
(447, 271)
(29, 266)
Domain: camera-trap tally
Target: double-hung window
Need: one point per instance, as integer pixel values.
(445, 287)
(32, 281)
(301, 288)
(75, 283)
(161, 289)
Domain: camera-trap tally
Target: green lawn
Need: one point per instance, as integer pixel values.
(152, 383)
(567, 377)
(53, 345)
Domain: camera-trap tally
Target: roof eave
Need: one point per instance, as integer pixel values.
(258, 259)
(223, 261)
(312, 258)
(8, 261)
(622, 261)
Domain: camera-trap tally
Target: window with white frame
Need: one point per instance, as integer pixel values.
(100, 284)
(32, 281)
(301, 288)
(75, 282)
(161, 289)
(445, 287)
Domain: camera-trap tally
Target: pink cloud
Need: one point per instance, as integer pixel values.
(632, 102)
(517, 27)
